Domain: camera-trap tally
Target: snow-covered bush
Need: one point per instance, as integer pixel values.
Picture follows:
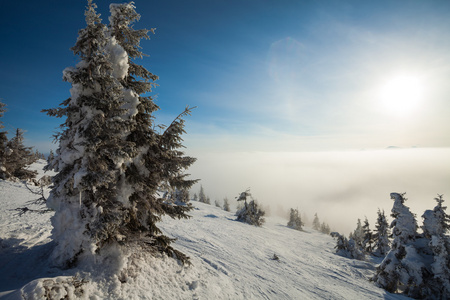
(251, 212)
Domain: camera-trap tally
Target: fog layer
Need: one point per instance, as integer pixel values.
(340, 186)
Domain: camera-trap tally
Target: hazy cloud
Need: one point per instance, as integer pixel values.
(340, 186)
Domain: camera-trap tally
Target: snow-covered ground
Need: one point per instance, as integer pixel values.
(230, 260)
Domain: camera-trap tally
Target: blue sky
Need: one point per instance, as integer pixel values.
(287, 92)
(275, 75)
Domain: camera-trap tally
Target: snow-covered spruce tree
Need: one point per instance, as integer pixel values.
(19, 158)
(110, 161)
(402, 268)
(89, 207)
(341, 244)
(368, 237)
(183, 196)
(159, 151)
(4, 152)
(316, 222)
(436, 224)
(295, 221)
(157, 162)
(251, 213)
(325, 228)
(358, 234)
(201, 195)
(381, 235)
(226, 204)
(347, 247)
(50, 157)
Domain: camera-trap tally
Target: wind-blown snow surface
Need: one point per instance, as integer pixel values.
(230, 260)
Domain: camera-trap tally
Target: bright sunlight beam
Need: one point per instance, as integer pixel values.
(402, 94)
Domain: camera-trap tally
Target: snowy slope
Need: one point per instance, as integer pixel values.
(230, 260)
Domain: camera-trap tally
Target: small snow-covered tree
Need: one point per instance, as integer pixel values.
(201, 195)
(347, 247)
(195, 197)
(381, 236)
(295, 221)
(226, 204)
(251, 212)
(325, 228)
(19, 158)
(402, 268)
(176, 196)
(358, 234)
(316, 222)
(341, 244)
(50, 157)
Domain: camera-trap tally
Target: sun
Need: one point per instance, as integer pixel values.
(401, 94)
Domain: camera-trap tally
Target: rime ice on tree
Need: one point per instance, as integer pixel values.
(402, 267)
(111, 161)
(250, 213)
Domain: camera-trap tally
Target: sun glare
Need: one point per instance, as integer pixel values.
(401, 94)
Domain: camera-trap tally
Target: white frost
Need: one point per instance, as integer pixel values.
(230, 260)
(118, 58)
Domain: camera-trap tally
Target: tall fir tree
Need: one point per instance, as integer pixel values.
(86, 199)
(157, 162)
(111, 160)
(381, 236)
